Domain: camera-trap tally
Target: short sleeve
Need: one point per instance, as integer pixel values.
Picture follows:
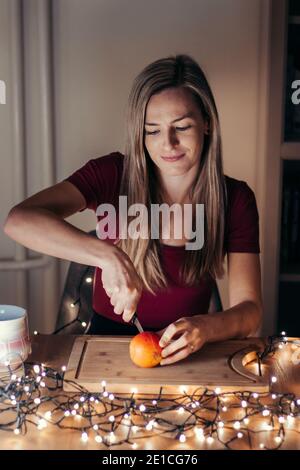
(243, 220)
(99, 180)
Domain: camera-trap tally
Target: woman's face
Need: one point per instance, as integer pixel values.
(174, 127)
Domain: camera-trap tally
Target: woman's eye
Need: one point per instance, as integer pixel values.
(177, 129)
(151, 132)
(182, 128)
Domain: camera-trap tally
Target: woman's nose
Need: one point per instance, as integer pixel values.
(170, 139)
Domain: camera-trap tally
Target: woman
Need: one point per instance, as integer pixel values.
(172, 156)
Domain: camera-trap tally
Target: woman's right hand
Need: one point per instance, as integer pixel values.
(121, 282)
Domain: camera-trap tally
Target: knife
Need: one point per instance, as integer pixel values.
(136, 322)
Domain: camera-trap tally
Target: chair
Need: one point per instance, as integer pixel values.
(76, 311)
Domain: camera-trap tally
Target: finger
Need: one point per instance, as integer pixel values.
(128, 314)
(113, 299)
(182, 354)
(160, 332)
(119, 308)
(176, 345)
(171, 330)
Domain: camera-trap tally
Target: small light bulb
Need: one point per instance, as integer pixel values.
(17, 431)
(37, 401)
(83, 324)
(111, 418)
(283, 333)
(210, 440)
(98, 439)
(111, 397)
(277, 439)
(239, 435)
(88, 280)
(246, 421)
(35, 332)
(182, 438)
(134, 445)
(237, 425)
(274, 379)
(84, 437)
(199, 433)
(64, 368)
(217, 390)
(36, 369)
(154, 402)
(244, 404)
(142, 408)
(103, 383)
(220, 424)
(72, 305)
(42, 423)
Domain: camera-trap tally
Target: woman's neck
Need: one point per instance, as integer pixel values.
(176, 189)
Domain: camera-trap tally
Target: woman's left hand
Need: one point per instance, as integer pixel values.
(182, 338)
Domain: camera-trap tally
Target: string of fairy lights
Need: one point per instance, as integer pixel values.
(207, 417)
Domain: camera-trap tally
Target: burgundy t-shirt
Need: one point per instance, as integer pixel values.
(99, 182)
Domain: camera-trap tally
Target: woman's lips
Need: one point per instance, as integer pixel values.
(170, 158)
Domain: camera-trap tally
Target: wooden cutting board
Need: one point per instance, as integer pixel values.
(97, 358)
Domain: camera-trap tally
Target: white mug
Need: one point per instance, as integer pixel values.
(14, 335)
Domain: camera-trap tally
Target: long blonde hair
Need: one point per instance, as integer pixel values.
(140, 184)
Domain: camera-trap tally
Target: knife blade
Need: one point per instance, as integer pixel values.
(136, 322)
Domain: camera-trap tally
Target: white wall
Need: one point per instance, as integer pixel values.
(99, 46)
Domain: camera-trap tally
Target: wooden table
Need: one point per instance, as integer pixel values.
(54, 351)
